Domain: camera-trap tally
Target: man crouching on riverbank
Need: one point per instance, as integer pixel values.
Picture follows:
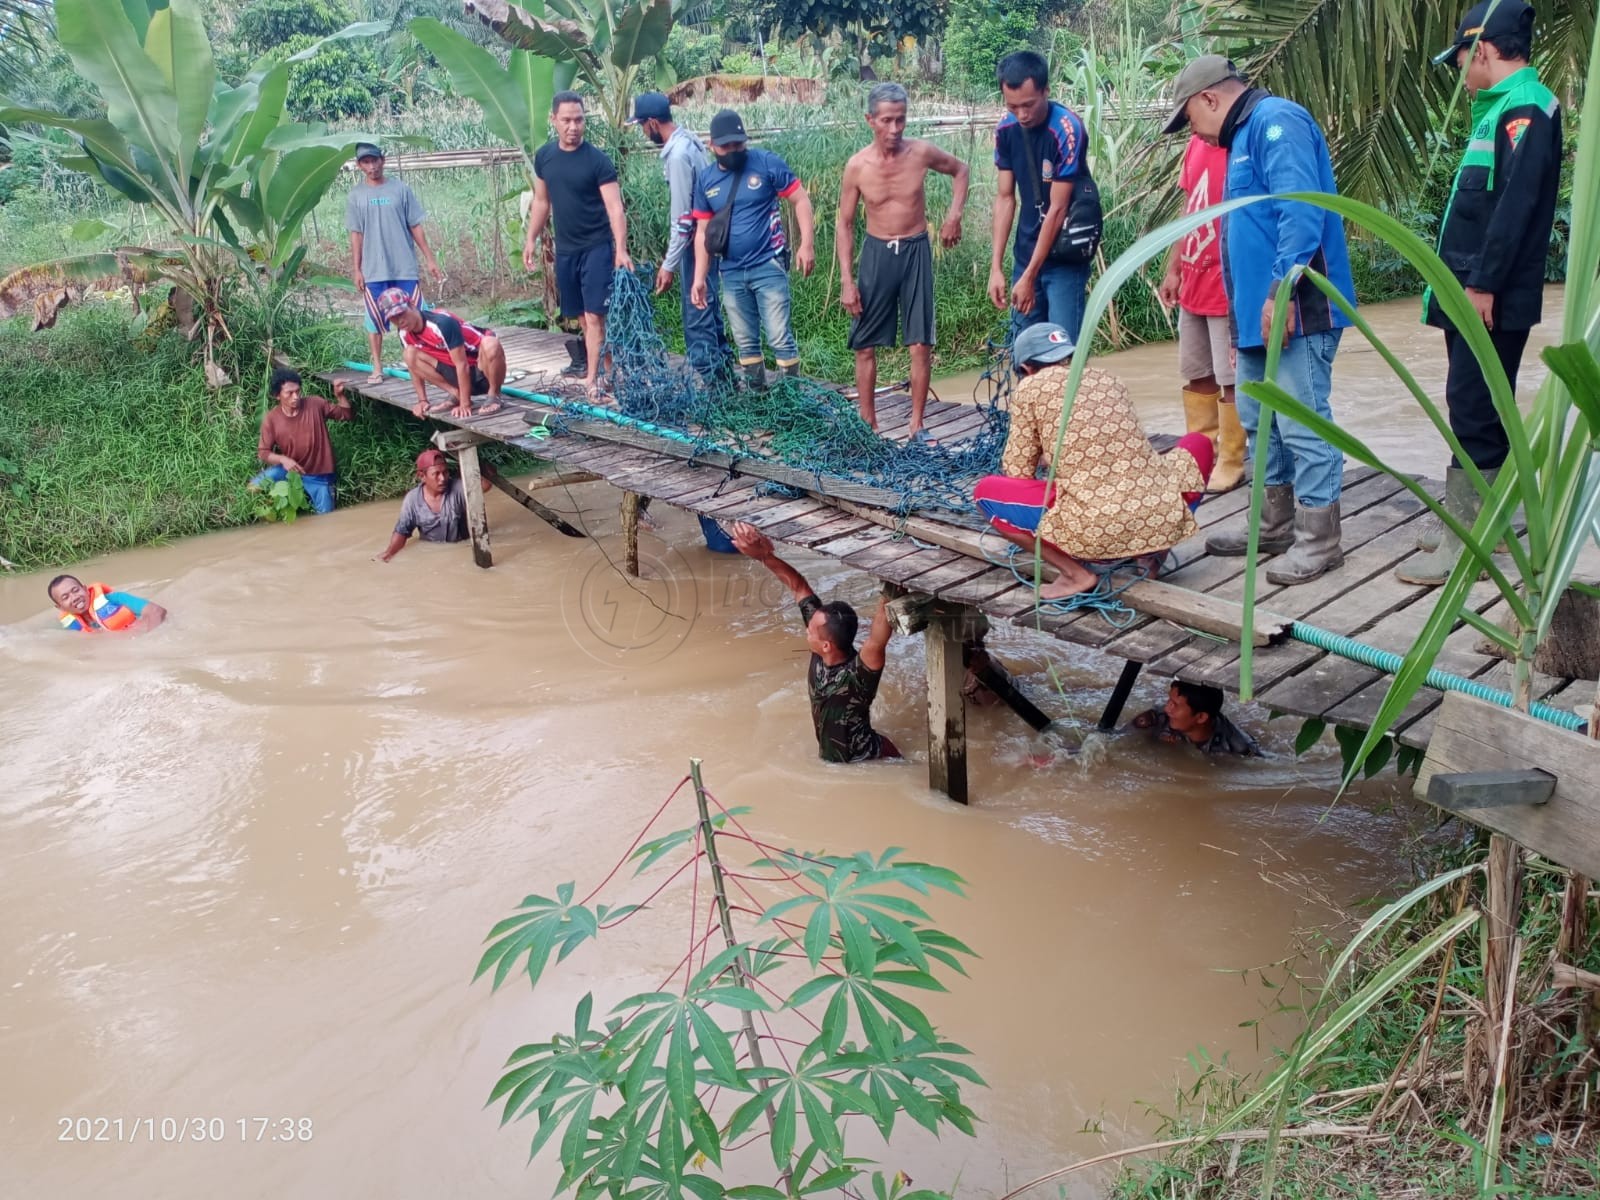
(95, 608)
(842, 681)
(294, 438)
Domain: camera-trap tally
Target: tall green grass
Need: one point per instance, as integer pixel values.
(109, 441)
(1416, 1034)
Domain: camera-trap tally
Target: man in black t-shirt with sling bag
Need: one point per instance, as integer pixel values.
(577, 182)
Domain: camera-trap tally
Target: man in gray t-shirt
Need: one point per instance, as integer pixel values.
(436, 508)
(384, 218)
(682, 157)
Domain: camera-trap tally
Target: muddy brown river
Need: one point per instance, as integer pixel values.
(246, 863)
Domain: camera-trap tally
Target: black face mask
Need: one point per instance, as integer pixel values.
(733, 161)
(654, 136)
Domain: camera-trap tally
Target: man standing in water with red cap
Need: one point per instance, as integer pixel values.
(436, 508)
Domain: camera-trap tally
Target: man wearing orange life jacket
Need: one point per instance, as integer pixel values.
(95, 608)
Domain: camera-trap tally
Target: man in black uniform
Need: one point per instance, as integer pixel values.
(1494, 237)
(842, 682)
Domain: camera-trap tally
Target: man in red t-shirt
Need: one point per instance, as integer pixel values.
(1193, 285)
(442, 349)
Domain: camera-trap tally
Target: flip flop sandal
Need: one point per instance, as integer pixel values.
(922, 438)
(442, 407)
(486, 409)
(376, 377)
(513, 376)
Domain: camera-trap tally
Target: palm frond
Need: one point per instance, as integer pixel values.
(1362, 67)
(22, 24)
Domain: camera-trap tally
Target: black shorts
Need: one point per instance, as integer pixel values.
(583, 280)
(480, 381)
(896, 282)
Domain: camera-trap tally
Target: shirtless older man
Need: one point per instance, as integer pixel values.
(895, 293)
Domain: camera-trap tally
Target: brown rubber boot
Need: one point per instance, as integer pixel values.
(1277, 527)
(1232, 445)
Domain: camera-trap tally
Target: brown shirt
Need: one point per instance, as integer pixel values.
(1115, 496)
(302, 437)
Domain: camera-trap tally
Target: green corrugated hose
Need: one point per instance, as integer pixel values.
(1441, 681)
(576, 407)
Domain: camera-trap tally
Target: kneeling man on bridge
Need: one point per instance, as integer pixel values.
(1113, 497)
(842, 681)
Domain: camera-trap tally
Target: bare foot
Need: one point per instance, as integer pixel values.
(1073, 580)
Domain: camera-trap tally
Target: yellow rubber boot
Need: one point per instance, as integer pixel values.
(1200, 413)
(1232, 445)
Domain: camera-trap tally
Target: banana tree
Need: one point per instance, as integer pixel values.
(220, 166)
(604, 41)
(515, 99)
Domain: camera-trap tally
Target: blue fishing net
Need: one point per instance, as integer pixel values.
(794, 421)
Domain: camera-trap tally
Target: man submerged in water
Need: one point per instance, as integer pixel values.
(95, 608)
(436, 508)
(842, 681)
(1193, 714)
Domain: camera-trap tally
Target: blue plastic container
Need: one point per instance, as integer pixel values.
(716, 541)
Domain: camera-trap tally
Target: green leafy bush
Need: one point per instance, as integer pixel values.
(344, 79)
(979, 35)
(691, 54)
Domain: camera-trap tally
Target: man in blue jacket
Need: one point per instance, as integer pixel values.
(1274, 147)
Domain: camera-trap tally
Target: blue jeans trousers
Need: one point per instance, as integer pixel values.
(705, 343)
(320, 489)
(1294, 454)
(1058, 297)
(757, 300)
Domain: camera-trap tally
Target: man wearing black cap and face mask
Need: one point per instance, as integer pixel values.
(682, 158)
(738, 222)
(1494, 238)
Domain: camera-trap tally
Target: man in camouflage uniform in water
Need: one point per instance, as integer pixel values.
(841, 680)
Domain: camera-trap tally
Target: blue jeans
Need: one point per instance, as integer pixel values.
(758, 299)
(705, 343)
(319, 488)
(1058, 297)
(1295, 454)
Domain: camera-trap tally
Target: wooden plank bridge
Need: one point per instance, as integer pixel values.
(940, 560)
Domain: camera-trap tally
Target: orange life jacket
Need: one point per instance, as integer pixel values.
(104, 613)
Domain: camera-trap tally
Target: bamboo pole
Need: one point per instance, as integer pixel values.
(719, 888)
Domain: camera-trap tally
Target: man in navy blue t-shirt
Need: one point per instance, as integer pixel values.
(755, 256)
(1041, 149)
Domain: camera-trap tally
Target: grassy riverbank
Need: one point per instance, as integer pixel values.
(1401, 1097)
(109, 441)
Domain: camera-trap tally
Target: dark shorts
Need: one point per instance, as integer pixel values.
(896, 282)
(583, 280)
(480, 381)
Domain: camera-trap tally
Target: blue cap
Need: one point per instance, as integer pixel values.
(650, 106)
(1042, 343)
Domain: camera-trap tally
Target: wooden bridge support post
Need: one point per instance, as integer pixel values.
(1119, 695)
(477, 514)
(947, 709)
(630, 533)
